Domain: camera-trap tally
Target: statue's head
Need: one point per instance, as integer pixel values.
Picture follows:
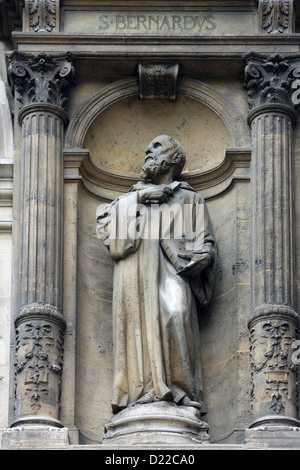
(163, 155)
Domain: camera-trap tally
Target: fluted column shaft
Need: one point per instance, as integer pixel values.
(272, 209)
(274, 322)
(42, 83)
(42, 191)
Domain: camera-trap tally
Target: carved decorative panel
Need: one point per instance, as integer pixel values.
(158, 81)
(42, 15)
(38, 361)
(276, 16)
(274, 382)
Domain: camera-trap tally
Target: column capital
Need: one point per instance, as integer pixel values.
(271, 82)
(41, 79)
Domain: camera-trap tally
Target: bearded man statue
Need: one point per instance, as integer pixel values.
(160, 237)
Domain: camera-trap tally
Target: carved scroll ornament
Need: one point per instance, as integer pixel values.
(42, 78)
(270, 79)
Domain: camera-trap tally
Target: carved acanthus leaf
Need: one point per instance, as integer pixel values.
(34, 17)
(50, 14)
(42, 14)
(276, 15)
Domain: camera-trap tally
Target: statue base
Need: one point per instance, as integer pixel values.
(160, 423)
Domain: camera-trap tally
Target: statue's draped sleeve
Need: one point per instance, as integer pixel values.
(113, 225)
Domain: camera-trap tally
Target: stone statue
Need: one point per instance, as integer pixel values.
(159, 235)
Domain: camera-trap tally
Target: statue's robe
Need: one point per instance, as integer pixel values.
(155, 325)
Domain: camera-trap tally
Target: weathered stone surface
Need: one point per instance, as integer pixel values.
(276, 16)
(280, 437)
(34, 436)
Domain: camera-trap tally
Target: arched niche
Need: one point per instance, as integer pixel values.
(126, 88)
(113, 127)
(109, 153)
(117, 138)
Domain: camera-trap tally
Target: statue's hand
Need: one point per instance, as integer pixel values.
(157, 195)
(199, 261)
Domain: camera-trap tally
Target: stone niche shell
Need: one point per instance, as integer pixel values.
(118, 137)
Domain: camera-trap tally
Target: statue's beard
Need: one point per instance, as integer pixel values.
(152, 168)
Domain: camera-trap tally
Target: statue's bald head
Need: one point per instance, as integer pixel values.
(179, 157)
(163, 154)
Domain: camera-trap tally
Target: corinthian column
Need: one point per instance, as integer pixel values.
(274, 321)
(41, 83)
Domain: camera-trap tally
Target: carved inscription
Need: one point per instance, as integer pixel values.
(157, 22)
(145, 22)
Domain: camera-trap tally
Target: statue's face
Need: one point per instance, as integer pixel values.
(161, 149)
(158, 158)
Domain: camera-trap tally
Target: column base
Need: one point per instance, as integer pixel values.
(279, 433)
(161, 423)
(30, 434)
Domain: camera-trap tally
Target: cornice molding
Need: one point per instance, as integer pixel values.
(211, 183)
(21, 37)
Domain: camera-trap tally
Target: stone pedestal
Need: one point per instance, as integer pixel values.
(161, 423)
